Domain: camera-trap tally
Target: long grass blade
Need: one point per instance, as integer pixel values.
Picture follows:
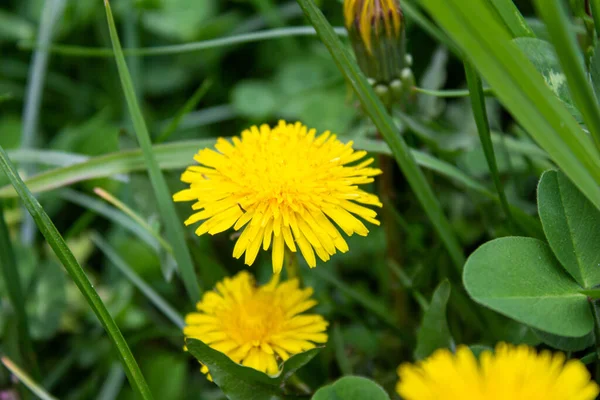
(80, 51)
(173, 225)
(555, 15)
(521, 89)
(483, 128)
(66, 257)
(512, 18)
(12, 283)
(51, 14)
(26, 380)
(384, 123)
(138, 282)
(117, 216)
(134, 216)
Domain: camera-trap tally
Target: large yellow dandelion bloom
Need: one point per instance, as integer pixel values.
(511, 373)
(257, 326)
(366, 14)
(284, 186)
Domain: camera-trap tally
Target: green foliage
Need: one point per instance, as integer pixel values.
(244, 383)
(434, 332)
(520, 277)
(511, 275)
(351, 388)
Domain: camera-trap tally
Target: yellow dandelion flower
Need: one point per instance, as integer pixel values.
(257, 326)
(284, 186)
(511, 373)
(366, 14)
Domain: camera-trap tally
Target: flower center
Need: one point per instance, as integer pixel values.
(248, 322)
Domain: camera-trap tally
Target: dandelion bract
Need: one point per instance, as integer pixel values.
(282, 186)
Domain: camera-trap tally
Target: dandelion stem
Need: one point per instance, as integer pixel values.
(291, 264)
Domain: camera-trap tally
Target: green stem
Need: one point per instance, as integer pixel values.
(290, 261)
(450, 93)
(483, 128)
(66, 257)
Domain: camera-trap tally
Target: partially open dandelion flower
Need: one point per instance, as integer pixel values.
(511, 373)
(284, 186)
(381, 15)
(257, 326)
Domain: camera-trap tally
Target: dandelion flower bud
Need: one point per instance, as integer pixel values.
(376, 29)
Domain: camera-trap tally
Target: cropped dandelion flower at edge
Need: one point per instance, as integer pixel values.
(257, 326)
(510, 373)
(284, 186)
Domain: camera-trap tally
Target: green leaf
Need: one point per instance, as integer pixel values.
(543, 57)
(243, 383)
(572, 226)
(351, 388)
(163, 197)
(521, 89)
(521, 278)
(434, 332)
(566, 343)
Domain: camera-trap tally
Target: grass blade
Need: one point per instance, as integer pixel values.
(385, 125)
(138, 282)
(512, 18)
(134, 216)
(173, 225)
(555, 15)
(110, 213)
(51, 14)
(483, 128)
(26, 380)
(81, 51)
(58, 245)
(12, 282)
(169, 156)
(521, 89)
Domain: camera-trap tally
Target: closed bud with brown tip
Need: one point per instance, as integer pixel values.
(376, 29)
